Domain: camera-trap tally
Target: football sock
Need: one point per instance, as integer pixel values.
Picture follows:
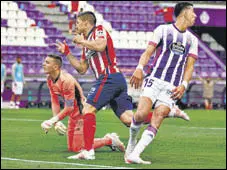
(89, 130)
(134, 130)
(12, 103)
(148, 118)
(147, 137)
(100, 142)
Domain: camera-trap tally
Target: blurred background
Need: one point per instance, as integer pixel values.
(29, 29)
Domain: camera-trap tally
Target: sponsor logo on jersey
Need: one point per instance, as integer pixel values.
(177, 48)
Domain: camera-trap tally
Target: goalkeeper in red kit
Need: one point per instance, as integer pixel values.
(63, 84)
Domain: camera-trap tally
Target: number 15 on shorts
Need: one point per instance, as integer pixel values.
(148, 82)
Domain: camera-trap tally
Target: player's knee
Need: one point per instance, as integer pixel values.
(161, 114)
(126, 120)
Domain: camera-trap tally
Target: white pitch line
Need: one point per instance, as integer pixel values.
(23, 120)
(63, 163)
(35, 120)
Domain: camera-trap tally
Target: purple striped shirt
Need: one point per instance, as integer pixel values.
(173, 46)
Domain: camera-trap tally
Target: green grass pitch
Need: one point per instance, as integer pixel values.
(200, 143)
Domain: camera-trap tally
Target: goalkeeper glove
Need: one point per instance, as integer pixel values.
(60, 128)
(47, 124)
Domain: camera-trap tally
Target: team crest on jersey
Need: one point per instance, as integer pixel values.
(177, 48)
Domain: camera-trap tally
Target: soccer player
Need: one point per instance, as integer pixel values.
(63, 84)
(110, 87)
(17, 83)
(168, 79)
(3, 78)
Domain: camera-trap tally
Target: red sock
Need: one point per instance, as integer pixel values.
(89, 130)
(148, 118)
(100, 142)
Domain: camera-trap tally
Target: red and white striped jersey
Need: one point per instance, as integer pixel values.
(101, 62)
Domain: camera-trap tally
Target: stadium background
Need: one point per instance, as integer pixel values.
(29, 29)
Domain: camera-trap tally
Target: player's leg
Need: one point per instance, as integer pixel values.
(210, 105)
(206, 103)
(89, 127)
(110, 139)
(141, 114)
(12, 101)
(17, 103)
(2, 89)
(148, 135)
(19, 92)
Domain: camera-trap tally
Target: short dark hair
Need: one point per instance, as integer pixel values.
(57, 58)
(181, 6)
(87, 16)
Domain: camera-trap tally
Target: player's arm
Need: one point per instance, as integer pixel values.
(68, 91)
(23, 75)
(178, 92)
(4, 76)
(96, 45)
(13, 72)
(80, 65)
(55, 105)
(137, 77)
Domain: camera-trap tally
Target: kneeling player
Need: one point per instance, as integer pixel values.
(63, 84)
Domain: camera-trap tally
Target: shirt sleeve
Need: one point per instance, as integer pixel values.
(157, 36)
(100, 32)
(55, 105)
(193, 50)
(68, 92)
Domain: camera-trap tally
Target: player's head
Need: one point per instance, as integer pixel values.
(208, 79)
(52, 63)
(18, 59)
(184, 10)
(84, 20)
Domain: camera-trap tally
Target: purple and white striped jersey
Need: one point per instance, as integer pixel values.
(172, 49)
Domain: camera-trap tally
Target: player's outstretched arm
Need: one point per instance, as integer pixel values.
(137, 77)
(81, 66)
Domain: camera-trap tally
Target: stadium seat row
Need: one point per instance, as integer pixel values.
(23, 32)
(23, 41)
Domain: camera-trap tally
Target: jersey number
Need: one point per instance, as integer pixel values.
(148, 82)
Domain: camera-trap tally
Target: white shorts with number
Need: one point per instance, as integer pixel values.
(2, 87)
(158, 91)
(17, 88)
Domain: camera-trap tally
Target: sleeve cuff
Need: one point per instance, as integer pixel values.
(152, 43)
(193, 55)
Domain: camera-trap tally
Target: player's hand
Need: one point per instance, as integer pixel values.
(178, 92)
(60, 128)
(46, 125)
(78, 38)
(137, 79)
(62, 47)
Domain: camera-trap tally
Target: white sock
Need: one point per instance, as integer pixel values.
(147, 137)
(133, 131)
(12, 103)
(171, 113)
(18, 103)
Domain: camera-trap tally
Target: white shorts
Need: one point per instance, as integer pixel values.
(2, 87)
(158, 91)
(17, 88)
